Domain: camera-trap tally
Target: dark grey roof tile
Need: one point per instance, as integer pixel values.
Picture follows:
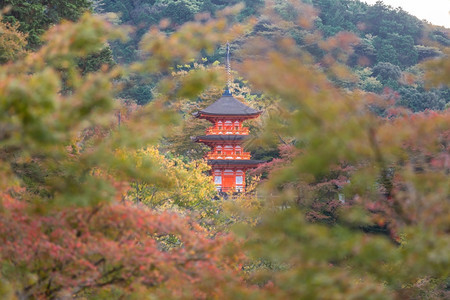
(228, 105)
(227, 162)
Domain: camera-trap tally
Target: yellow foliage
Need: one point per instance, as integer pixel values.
(183, 187)
(12, 42)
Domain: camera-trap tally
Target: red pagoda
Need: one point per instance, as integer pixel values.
(227, 158)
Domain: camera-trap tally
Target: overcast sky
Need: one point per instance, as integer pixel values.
(434, 11)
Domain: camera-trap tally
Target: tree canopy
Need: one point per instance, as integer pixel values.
(97, 200)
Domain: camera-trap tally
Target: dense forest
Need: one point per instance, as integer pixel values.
(103, 194)
(391, 44)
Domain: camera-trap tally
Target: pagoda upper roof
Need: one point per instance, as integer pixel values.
(220, 137)
(227, 105)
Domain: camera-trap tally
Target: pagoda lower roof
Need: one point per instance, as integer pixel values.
(238, 162)
(220, 137)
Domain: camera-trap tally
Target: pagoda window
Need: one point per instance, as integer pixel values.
(218, 177)
(228, 125)
(238, 152)
(239, 179)
(228, 149)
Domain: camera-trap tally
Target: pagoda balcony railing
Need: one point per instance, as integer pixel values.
(216, 131)
(230, 189)
(244, 155)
